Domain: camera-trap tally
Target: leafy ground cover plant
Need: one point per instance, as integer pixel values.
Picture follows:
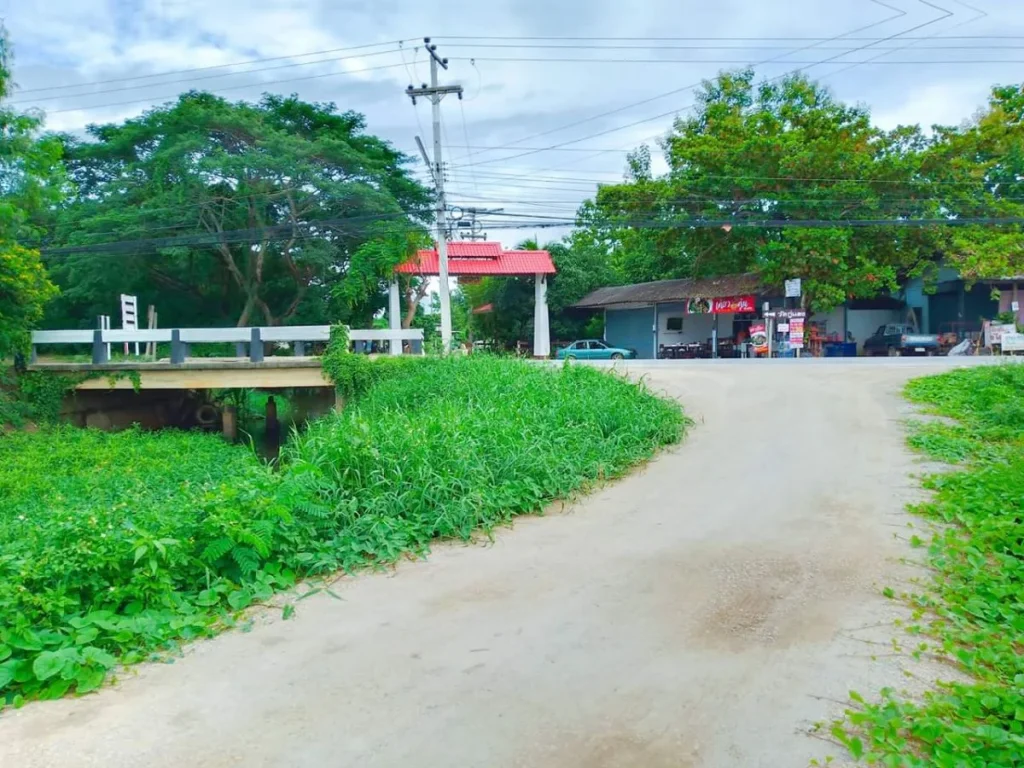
(116, 546)
(972, 611)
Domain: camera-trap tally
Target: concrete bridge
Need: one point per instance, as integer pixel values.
(249, 367)
(174, 390)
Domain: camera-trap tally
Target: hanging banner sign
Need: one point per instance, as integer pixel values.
(796, 332)
(759, 337)
(728, 305)
(698, 306)
(724, 305)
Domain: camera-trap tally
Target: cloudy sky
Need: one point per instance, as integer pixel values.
(556, 90)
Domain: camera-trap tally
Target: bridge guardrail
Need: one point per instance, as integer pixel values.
(248, 341)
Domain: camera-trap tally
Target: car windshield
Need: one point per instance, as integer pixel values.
(598, 345)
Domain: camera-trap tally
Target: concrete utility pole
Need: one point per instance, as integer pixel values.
(435, 93)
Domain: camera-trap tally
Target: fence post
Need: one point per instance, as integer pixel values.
(240, 350)
(255, 347)
(300, 349)
(177, 348)
(99, 349)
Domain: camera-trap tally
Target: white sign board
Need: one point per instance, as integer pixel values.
(1015, 306)
(793, 288)
(1013, 342)
(994, 332)
(130, 317)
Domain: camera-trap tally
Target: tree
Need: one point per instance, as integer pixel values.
(31, 178)
(981, 167)
(784, 151)
(285, 211)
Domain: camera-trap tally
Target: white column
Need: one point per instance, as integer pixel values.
(541, 326)
(395, 315)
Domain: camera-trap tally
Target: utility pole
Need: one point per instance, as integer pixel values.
(435, 93)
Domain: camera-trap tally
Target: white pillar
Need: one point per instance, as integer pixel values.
(541, 326)
(395, 315)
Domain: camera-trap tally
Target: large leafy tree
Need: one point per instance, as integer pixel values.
(281, 211)
(31, 178)
(980, 167)
(783, 151)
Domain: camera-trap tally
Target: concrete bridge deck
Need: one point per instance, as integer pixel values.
(206, 373)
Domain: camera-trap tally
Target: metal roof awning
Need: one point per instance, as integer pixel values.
(480, 259)
(665, 291)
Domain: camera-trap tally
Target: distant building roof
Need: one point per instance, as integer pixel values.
(471, 258)
(663, 291)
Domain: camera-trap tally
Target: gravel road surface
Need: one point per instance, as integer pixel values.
(703, 612)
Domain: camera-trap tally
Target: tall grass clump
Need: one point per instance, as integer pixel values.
(448, 446)
(971, 612)
(116, 546)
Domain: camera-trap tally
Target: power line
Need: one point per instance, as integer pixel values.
(745, 62)
(690, 87)
(171, 97)
(750, 177)
(901, 36)
(779, 77)
(289, 231)
(727, 39)
(648, 47)
(215, 66)
(210, 77)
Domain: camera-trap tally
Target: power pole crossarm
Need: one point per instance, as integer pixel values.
(435, 92)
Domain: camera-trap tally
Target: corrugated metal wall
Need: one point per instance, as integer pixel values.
(631, 329)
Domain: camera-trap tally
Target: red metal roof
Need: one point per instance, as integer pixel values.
(481, 259)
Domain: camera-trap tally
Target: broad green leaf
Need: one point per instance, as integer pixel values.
(47, 664)
(99, 656)
(89, 679)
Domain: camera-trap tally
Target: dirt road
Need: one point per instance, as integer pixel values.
(702, 612)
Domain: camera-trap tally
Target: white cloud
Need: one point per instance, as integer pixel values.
(68, 42)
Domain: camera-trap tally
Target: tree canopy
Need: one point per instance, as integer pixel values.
(783, 151)
(31, 179)
(284, 211)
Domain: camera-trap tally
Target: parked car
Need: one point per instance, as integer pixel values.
(896, 339)
(592, 349)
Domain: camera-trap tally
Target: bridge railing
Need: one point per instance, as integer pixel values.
(249, 342)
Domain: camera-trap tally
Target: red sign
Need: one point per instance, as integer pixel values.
(732, 304)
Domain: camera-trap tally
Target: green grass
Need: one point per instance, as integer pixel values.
(114, 547)
(497, 438)
(972, 611)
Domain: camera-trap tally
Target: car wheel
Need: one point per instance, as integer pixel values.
(570, 357)
(893, 352)
(930, 353)
(616, 356)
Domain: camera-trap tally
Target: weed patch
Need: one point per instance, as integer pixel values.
(117, 546)
(972, 612)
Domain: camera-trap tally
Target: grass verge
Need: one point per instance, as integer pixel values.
(971, 614)
(117, 546)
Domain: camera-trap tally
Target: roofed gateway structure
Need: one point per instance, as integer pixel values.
(473, 259)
